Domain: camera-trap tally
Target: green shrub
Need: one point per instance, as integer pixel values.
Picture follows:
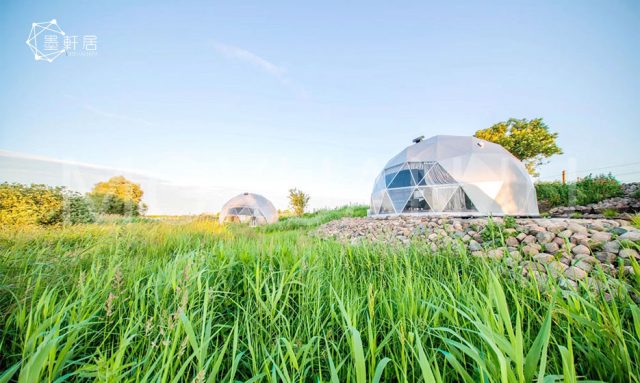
(552, 194)
(595, 189)
(509, 222)
(588, 190)
(610, 213)
(77, 209)
(636, 194)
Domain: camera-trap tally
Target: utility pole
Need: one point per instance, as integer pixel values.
(564, 177)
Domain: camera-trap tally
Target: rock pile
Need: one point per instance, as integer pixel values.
(568, 249)
(627, 203)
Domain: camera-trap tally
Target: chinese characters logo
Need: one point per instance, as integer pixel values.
(48, 41)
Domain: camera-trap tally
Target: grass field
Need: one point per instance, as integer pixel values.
(194, 301)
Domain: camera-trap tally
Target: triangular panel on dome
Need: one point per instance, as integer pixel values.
(376, 201)
(438, 176)
(532, 201)
(391, 173)
(490, 188)
(399, 198)
(426, 166)
(402, 179)
(476, 169)
(417, 171)
(416, 203)
(379, 184)
(386, 207)
(459, 202)
(481, 200)
(456, 166)
(438, 196)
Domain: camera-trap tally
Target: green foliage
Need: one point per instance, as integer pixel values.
(588, 190)
(509, 222)
(298, 200)
(191, 301)
(528, 140)
(77, 209)
(610, 213)
(636, 194)
(30, 205)
(635, 220)
(595, 189)
(24, 205)
(118, 196)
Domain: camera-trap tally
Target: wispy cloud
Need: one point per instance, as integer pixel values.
(107, 114)
(232, 52)
(278, 72)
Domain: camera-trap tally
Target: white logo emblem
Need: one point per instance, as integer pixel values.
(46, 40)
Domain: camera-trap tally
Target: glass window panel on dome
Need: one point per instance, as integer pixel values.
(416, 203)
(386, 207)
(399, 198)
(417, 171)
(438, 196)
(402, 179)
(390, 174)
(457, 202)
(426, 166)
(438, 176)
(380, 183)
(376, 200)
(469, 206)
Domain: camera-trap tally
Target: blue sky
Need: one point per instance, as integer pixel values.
(203, 100)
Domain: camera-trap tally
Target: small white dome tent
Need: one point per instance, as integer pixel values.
(249, 208)
(454, 175)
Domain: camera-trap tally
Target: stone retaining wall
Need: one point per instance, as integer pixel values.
(568, 249)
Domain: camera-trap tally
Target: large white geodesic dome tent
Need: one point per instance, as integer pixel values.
(454, 175)
(249, 208)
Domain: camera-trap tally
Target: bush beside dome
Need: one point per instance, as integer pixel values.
(249, 208)
(454, 175)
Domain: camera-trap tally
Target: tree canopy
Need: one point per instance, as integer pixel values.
(298, 201)
(528, 140)
(118, 195)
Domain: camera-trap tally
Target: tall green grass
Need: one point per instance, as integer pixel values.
(311, 220)
(174, 302)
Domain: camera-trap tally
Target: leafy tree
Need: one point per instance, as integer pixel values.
(22, 205)
(119, 196)
(298, 200)
(528, 140)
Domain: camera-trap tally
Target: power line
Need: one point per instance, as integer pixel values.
(600, 168)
